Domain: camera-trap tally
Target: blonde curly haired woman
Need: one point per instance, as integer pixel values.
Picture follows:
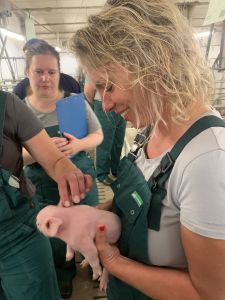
(147, 66)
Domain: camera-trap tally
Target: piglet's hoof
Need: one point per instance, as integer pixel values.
(84, 263)
(69, 257)
(97, 272)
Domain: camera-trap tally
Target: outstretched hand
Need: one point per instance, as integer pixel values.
(73, 187)
(108, 253)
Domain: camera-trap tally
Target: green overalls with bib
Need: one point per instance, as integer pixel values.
(47, 189)
(138, 203)
(109, 152)
(26, 264)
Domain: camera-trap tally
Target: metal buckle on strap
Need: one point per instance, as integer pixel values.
(161, 170)
(133, 154)
(168, 165)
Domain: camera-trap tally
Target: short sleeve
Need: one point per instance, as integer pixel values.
(202, 195)
(92, 120)
(25, 123)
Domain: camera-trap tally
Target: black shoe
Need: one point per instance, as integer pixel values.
(66, 289)
(106, 180)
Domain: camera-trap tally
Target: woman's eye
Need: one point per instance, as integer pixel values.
(109, 88)
(38, 72)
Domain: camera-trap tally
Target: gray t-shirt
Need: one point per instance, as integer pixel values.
(195, 196)
(20, 125)
(50, 119)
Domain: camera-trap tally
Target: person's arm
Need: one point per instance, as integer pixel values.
(89, 91)
(28, 159)
(72, 183)
(205, 280)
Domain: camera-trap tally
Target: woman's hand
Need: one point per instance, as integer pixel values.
(72, 147)
(60, 142)
(73, 187)
(68, 145)
(108, 254)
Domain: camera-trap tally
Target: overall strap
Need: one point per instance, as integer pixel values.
(3, 96)
(138, 143)
(162, 172)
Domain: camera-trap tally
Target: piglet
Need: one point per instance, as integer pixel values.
(77, 226)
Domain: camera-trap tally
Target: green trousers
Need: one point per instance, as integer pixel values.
(26, 264)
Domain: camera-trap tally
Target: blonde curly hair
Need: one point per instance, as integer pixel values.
(154, 43)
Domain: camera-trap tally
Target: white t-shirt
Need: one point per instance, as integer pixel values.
(195, 196)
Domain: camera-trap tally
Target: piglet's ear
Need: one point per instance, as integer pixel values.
(52, 226)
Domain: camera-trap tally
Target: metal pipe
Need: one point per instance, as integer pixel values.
(56, 8)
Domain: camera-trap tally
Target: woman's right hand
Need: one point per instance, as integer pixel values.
(73, 187)
(60, 142)
(108, 253)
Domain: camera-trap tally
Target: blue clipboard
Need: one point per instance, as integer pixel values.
(71, 112)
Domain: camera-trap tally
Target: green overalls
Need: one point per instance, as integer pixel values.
(109, 152)
(26, 264)
(138, 203)
(47, 189)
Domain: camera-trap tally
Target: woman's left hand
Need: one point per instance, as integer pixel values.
(72, 147)
(108, 253)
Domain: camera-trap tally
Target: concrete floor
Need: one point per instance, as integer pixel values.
(84, 288)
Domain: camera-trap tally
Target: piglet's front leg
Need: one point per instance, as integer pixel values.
(69, 253)
(89, 251)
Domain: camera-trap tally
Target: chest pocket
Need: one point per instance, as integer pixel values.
(131, 203)
(10, 197)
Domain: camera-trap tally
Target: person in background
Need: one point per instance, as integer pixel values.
(146, 64)
(79, 76)
(43, 69)
(108, 153)
(66, 82)
(26, 268)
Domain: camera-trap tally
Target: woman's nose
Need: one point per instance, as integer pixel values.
(107, 103)
(45, 77)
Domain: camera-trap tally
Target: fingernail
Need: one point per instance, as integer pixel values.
(82, 196)
(76, 199)
(101, 227)
(67, 203)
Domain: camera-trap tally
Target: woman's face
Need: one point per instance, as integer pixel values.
(120, 99)
(43, 74)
